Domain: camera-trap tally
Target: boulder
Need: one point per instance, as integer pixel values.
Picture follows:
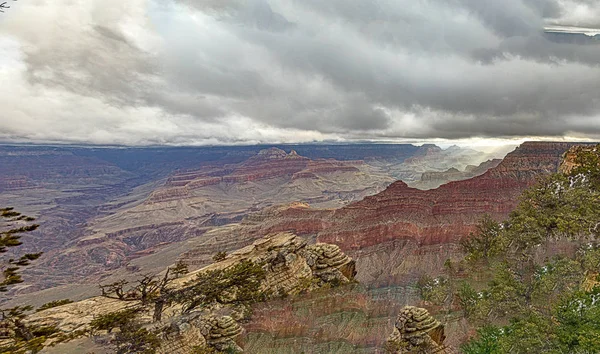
(417, 332)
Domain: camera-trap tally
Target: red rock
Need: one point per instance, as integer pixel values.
(442, 215)
(267, 164)
(445, 214)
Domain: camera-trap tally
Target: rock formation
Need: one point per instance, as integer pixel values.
(267, 164)
(291, 266)
(188, 204)
(390, 232)
(447, 213)
(429, 166)
(417, 332)
(289, 261)
(187, 332)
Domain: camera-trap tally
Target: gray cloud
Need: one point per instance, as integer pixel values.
(207, 71)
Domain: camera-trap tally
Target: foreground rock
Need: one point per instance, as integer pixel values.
(417, 332)
(291, 266)
(289, 261)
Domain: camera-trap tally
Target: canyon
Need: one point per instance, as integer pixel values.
(401, 233)
(385, 239)
(109, 209)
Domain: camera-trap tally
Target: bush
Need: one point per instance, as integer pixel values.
(109, 321)
(219, 256)
(52, 304)
(237, 284)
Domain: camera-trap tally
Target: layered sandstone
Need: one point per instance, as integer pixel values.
(192, 203)
(107, 207)
(445, 214)
(417, 332)
(289, 260)
(192, 331)
(391, 232)
(267, 164)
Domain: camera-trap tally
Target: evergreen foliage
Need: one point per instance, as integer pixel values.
(12, 225)
(132, 337)
(540, 300)
(52, 304)
(239, 283)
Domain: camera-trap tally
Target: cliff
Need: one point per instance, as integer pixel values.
(391, 232)
(267, 164)
(432, 166)
(572, 157)
(431, 180)
(445, 214)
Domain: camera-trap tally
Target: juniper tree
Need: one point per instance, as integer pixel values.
(12, 227)
(150, 289)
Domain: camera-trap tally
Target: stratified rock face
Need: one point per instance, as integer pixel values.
(442, 215)
(417, 332)
(267, 164)
(328, 262)
(193, 330)
(402, 232)
(222, 331)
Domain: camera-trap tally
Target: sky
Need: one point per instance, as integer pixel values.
(198, 72)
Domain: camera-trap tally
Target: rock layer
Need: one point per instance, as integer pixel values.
(446, 214)
(267, 164)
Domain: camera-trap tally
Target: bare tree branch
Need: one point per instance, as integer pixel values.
(4, 6)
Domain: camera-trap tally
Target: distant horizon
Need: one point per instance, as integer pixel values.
(417, 142)
(498, 150)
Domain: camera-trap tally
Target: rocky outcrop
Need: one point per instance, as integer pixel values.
(188, 332)
(290, 262)
(291, 266)
(417, 332)
(328, 262)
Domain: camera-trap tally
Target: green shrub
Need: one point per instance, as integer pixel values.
(52, 304)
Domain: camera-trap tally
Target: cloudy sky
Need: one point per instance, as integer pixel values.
(142, 72)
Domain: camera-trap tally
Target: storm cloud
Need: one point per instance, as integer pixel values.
(248, 71)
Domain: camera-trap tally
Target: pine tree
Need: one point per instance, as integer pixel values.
(12, 226)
